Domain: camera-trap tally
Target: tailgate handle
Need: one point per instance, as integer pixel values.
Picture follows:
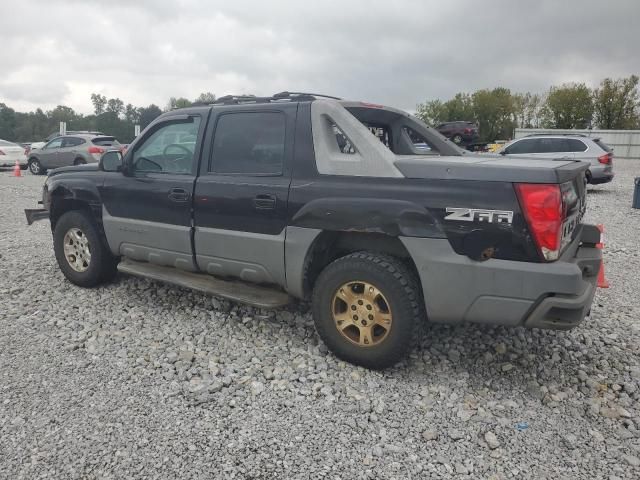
(264, 202)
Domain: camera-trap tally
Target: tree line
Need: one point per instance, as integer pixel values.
(614, 104)
(110, 116)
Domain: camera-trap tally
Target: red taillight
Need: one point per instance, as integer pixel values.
(467, 130)
(93, 150)
(605, 159)
(543, 210)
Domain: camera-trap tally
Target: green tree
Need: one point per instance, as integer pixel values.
(115, 105)
(148, 114)
(205, 98)
(494, 111)
(431, 112)
(178, 103)
(527, 107)
(99, 103)
(568, 106)
(460, 107)
(7, 122)
(616, 104)
(131, 113)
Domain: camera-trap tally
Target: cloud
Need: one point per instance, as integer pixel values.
(398, 53)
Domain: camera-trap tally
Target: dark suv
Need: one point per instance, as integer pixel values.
(459, 132)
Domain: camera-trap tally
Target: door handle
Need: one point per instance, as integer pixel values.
(178, 195)
(264, 202)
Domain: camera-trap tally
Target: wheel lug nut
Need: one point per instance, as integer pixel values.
(353, 307)
(355, 317)
(370, 317)
(360, 302)
(364, 323)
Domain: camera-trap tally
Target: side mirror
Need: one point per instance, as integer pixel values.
(111, 161)
(503, 152)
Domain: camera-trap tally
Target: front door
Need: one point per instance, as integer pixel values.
(240, 203)
(147, 210)
(48, 154)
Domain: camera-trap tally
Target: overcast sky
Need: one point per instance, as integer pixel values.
(397, 52)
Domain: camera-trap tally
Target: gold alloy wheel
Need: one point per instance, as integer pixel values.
(361, 313)
(77, 250)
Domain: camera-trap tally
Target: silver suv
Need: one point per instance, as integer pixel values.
(569, 146)
(76, 149)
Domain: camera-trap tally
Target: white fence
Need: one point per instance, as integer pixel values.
(625, 143)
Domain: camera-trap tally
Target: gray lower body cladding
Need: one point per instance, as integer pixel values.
(555, 295)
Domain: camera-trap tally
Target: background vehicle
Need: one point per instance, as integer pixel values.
(337, 202)
(10, 152)
(75, 149)
(459, 132)
(574, 147)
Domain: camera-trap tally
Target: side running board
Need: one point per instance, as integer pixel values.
(236, 290)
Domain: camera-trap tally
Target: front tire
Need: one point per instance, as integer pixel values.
(366, 308)
(457, 139)
(82, 255)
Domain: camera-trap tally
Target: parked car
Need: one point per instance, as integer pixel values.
(566, 146)
(76, 149)
(71, 132)
(10, 152)
(295, 195)
(459, 132)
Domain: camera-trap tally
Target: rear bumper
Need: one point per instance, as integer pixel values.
(555, 295)
(600, 174)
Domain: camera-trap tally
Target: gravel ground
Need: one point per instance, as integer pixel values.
(138, 379)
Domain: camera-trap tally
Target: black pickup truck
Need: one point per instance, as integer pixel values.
(364, 210)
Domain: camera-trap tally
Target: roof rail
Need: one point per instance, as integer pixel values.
(556, 135)
(278, 97)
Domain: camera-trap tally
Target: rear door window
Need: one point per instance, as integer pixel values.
(528, 145)
(249, 143)
(72, 142)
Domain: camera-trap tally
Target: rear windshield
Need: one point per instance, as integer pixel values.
(603, 145)
(105, 141)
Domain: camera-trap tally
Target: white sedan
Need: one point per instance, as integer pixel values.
(10, 152)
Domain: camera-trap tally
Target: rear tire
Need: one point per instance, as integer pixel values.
(366, 308)
(35, 167)
(82, 255)
(457, 139)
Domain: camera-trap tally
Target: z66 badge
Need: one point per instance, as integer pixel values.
(479, 215)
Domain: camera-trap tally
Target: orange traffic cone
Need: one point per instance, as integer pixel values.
(16, 170)
(602, 281)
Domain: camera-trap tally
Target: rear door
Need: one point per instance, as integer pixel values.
(147, 210)
(240, 203)
(68, 151)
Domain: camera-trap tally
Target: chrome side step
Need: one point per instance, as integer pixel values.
(238, 291)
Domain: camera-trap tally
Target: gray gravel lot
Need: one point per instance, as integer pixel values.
(138, 379)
